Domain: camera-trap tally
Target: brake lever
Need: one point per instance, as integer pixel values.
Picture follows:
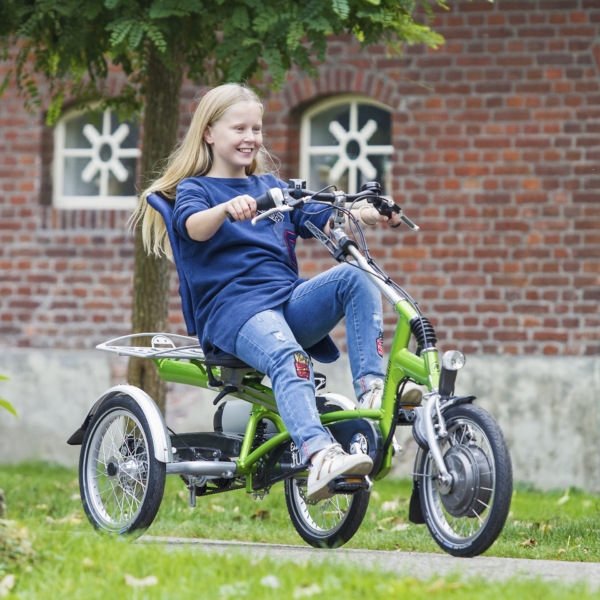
(406, 220)
(387, 207)
(270, 212)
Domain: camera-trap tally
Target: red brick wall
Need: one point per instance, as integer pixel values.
(498, 160)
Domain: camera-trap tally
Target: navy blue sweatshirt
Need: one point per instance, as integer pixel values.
(242, 269)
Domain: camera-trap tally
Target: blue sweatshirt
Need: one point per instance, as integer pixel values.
(242, 269)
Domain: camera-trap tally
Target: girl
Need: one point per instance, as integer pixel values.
(248, 299)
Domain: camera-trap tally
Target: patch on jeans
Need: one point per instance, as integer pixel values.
(380, 344)
(302, 365)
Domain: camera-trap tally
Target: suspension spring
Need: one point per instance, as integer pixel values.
(424, 333)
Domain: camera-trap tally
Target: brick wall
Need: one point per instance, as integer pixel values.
(498, 160)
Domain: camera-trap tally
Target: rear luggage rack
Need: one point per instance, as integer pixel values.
(161, 346)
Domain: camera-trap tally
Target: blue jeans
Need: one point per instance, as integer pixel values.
(272, 342)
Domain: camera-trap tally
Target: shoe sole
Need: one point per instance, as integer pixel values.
(322, 491)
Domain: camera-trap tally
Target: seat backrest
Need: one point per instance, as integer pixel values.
(165, 208)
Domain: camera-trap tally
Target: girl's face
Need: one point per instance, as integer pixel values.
(235, 139)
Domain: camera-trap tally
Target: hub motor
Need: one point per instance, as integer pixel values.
(471, 487)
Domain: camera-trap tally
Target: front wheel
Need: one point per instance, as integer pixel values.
(328, 523)
(121, 481)
(468, 518)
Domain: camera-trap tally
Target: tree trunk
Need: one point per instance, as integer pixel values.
(150, 303)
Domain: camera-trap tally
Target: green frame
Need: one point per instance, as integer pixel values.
(403, 363)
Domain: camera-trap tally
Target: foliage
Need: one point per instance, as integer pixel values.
(69, 45)
(15, 545)
(5, 403)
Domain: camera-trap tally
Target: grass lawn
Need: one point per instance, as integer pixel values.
(45, 499)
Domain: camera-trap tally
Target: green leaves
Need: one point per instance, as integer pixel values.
(164, 9)
(55, 107)
(294, 35)
(70, 43)
(8, 406)
(275, 63)
(120, 30)
(341, 8)
(240, 18)
(5, 403)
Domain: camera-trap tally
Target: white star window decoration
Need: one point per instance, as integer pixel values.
(352, 150)
(106, 152)
(92, 168)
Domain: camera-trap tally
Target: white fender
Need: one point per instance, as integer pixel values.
(158, 428)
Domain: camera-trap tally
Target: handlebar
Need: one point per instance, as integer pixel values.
(278, 200)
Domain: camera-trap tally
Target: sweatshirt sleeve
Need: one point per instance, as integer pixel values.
(190, 198)
(317, 214)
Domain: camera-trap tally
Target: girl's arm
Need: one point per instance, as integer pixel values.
(201, 226)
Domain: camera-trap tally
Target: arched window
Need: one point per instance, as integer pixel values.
(346, 141)
(95, 158)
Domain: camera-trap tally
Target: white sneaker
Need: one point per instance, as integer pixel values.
(331, 462)
(372, 398)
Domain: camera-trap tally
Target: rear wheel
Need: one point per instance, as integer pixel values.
(121, 481)
(328, 523)
(468, 518)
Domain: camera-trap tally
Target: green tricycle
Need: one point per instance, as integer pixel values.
(462, 479)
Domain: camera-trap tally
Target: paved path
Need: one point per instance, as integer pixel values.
(419, 565)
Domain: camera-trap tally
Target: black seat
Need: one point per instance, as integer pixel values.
(225, 360)
(165, 209)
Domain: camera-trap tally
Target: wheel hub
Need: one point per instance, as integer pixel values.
(470, 491)
(130, 468)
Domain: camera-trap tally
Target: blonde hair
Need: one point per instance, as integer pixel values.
(192, 158)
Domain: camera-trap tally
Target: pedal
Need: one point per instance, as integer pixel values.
(350, 484)
(411, 398)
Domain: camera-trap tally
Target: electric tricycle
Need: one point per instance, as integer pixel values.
(462, 479)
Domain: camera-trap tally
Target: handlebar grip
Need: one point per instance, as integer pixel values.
(270, 199)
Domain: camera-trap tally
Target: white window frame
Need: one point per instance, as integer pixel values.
(102, 201)
(307, 151)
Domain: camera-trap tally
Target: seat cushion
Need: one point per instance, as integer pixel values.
(225, 360)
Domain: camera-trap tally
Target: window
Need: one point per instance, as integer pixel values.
(346, 141)
(95, 162)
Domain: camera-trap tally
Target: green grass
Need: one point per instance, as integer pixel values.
(41, 495)
(90, 566)
(71, 559)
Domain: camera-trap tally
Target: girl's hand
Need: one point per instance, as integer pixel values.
(241, 208)
(371, 217)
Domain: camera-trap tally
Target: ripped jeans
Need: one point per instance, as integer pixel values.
(272, 342)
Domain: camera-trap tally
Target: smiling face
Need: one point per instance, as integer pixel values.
(235, 140)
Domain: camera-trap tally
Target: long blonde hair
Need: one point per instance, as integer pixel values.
(192, 158)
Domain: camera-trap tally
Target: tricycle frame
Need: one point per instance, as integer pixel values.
(402, 364)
